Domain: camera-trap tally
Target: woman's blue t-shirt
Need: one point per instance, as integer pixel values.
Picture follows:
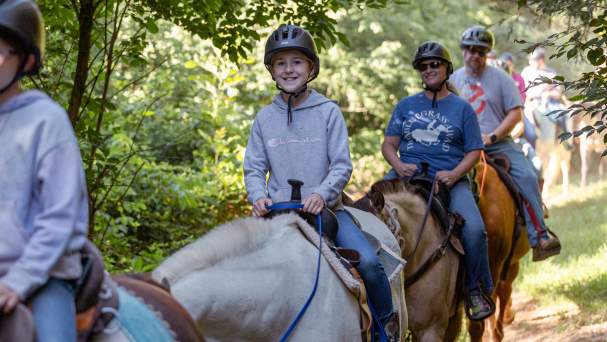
(440, 136)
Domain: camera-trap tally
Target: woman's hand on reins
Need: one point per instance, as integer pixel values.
(313, 204)
(447, 177)
(259, 207)
(405, 170)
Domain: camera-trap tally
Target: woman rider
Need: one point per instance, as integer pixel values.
(440, 128)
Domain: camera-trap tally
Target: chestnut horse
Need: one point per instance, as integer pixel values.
(432, 301)
(506, 246)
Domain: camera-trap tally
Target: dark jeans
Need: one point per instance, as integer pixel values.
(370, 268)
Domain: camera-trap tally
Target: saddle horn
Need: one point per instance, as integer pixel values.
(295, 189)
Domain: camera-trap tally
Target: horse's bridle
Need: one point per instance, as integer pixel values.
(440, 250)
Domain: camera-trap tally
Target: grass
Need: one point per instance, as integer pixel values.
(574, 283)
(578, 276)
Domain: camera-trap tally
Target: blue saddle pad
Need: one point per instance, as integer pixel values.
(139, 322)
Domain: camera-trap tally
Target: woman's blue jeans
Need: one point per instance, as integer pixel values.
(474, 236)
(54, 311)
(370, 268)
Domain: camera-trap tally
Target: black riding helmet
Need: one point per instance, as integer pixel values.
(21, 23)
(477, 36)
(292, 37)
(295, 38)
(433, 50)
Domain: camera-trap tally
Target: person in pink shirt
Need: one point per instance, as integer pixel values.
(506, 61)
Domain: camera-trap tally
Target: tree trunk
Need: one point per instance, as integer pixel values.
(85, 19)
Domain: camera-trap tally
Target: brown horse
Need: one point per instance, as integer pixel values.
(432, 300)
(506, 247)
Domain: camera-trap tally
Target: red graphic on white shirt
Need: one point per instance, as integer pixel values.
(475, 95)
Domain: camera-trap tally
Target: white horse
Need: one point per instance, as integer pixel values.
(247, 280)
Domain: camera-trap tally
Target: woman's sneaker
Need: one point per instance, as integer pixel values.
(479, 306)
(391, 328)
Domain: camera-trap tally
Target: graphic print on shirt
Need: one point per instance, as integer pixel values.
(275, 142)
(475, 95)
(428, 128)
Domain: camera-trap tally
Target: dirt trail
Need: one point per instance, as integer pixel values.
(534, 323)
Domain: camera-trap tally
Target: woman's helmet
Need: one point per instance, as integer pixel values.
(21, 22)
(292, 37)
(433, 50)
(477, 36)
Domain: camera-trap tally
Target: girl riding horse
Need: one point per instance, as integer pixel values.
(302, 135)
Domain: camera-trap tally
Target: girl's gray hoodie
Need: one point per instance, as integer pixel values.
(313, 148)
(43, 200)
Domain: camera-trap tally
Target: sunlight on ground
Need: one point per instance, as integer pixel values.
(565, 297)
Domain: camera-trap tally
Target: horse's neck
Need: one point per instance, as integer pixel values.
(411, 209)
(225, 242)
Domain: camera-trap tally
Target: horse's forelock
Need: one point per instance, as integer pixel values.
(389, 186)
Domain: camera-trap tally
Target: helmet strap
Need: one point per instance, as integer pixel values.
(18, 76)
(435, 90)
(293, 95)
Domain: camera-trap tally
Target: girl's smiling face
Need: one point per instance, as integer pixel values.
(291, 69)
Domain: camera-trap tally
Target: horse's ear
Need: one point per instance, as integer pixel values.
(377, 200)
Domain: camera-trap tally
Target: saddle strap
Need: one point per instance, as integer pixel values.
(436, 255)
(366, 319)
(94, 320)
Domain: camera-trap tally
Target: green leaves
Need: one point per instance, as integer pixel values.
(596, 56)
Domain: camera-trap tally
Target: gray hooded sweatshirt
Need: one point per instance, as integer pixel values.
(313, 148)
(43, 200)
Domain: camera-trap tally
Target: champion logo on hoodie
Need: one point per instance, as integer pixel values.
(275, 142)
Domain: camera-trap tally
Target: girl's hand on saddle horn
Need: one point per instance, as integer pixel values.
(447, 177)
(313, 204)
(8, 299)
(405, 170)
(259, 207)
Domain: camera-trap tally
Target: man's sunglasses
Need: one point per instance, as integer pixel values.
(432, 65)
(477, 50)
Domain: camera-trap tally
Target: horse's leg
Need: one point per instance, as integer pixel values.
(584, 161)
(432, 334)
(455, 324)
(476, 330)
(506, 294)
(551, 173)
(503, 290)
(565, 174)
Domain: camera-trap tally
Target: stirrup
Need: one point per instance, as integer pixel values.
(488, 300)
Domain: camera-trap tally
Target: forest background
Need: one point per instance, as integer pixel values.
(162, 94)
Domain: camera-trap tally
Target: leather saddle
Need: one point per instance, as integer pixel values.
(439, 206)
(328, 218)
(96, 303)
(501, 164)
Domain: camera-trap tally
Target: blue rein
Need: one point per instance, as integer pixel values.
(285, 206)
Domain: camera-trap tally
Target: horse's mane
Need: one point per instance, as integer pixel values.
(229, 240)
(401, 193)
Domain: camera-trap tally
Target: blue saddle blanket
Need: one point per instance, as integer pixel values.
(139, 322)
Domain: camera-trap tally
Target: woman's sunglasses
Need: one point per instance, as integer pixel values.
(433, 65)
